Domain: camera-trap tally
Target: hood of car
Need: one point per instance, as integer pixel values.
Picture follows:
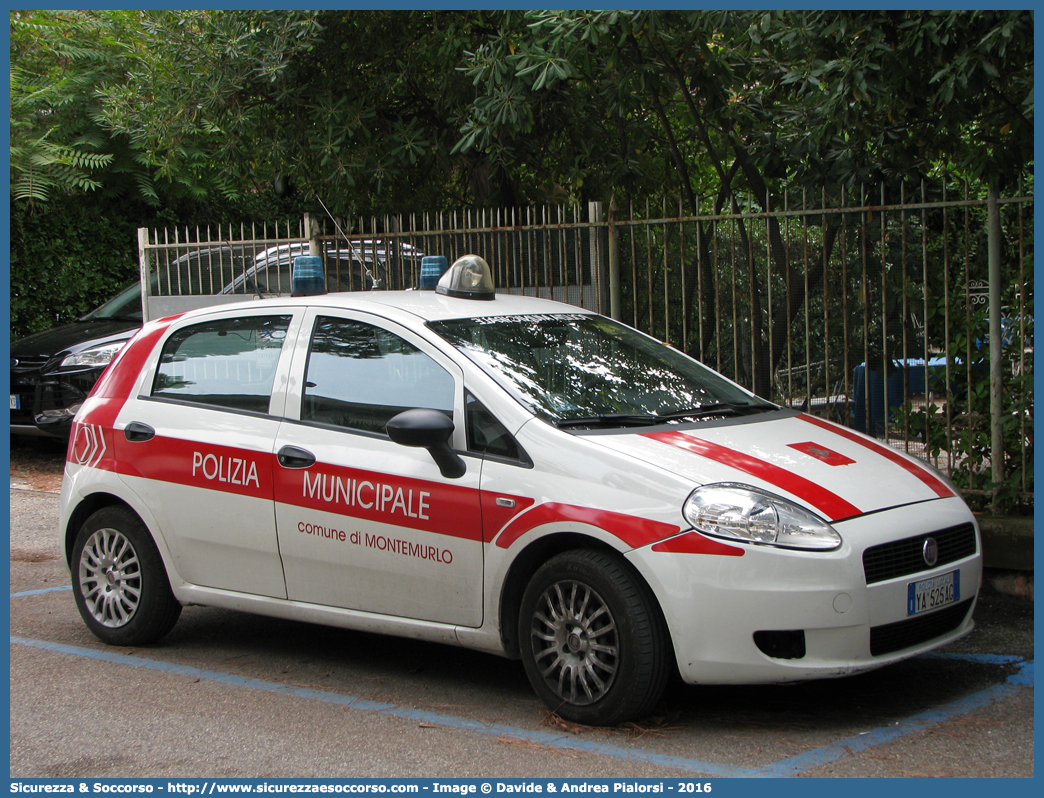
(829, 469)
(71, 337)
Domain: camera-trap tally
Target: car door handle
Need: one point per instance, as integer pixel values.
(292, 457)
(136, 432)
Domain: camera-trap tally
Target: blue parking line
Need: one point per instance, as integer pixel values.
(41, 590)
(549, 739)
(793, 766)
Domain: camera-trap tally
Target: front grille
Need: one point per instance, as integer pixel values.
(29, 364)
(903, 557)
(55, 396)
(920, 629)
(24, 381)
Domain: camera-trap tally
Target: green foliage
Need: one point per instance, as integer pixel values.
(728, 105)
(723, 101)
(60, 60)
(357, 106)
(968, 447)
(406, 110)
(66, 259)
(68, 256)
(564, 95)
(875, 94)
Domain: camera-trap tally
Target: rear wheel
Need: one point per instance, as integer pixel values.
(593, 642)
(119, 581)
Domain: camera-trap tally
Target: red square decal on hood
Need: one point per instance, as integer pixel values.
(828, 456)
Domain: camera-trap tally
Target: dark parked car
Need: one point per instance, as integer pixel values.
(53, 371)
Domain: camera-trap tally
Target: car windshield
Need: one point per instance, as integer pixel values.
(125, 306)
(585, 371)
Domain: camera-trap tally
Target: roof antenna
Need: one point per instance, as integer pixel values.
(351, 246)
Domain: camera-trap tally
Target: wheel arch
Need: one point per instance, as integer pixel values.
(122, 589)
(536, 554)
(84, 510)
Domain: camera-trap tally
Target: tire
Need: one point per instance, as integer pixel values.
(593, 641)
(119, 582)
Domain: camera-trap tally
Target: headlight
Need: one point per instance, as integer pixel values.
(96, 356)
(749, 515)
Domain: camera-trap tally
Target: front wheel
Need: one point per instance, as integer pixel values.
(119, 582)
(594, 644)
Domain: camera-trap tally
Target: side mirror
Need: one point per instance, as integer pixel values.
(431, 430)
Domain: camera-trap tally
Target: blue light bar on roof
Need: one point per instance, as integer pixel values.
(308, 277)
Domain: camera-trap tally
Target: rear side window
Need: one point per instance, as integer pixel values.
(227, 363)
(360, 376)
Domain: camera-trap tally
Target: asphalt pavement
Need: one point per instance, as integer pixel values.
(232, 695)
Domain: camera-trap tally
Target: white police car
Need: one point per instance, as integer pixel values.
(516, 476)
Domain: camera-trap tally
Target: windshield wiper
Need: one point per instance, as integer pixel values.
(651, 419)
(716, 409)
(609, 420)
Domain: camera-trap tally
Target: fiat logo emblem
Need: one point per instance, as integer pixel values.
(930, 552)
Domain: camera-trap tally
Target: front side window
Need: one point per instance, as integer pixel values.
(227, 363)
(580, 370)
(486, 435)
(360, 376)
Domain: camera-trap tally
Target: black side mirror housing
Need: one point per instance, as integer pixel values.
(423, 428)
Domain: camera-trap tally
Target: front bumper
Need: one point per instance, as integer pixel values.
(817, 614)
(48, 402)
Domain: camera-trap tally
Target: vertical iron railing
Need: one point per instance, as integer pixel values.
(867, 312)
(864, 311)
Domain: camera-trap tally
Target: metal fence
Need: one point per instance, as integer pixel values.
(863, 307)
(547, 252)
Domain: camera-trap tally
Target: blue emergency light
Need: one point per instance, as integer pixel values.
(308, 277)
(432, 269)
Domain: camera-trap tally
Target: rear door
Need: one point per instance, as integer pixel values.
(365, 523)
(197, 446)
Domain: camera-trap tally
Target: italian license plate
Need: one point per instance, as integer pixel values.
(15, 404)
(930, 594)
